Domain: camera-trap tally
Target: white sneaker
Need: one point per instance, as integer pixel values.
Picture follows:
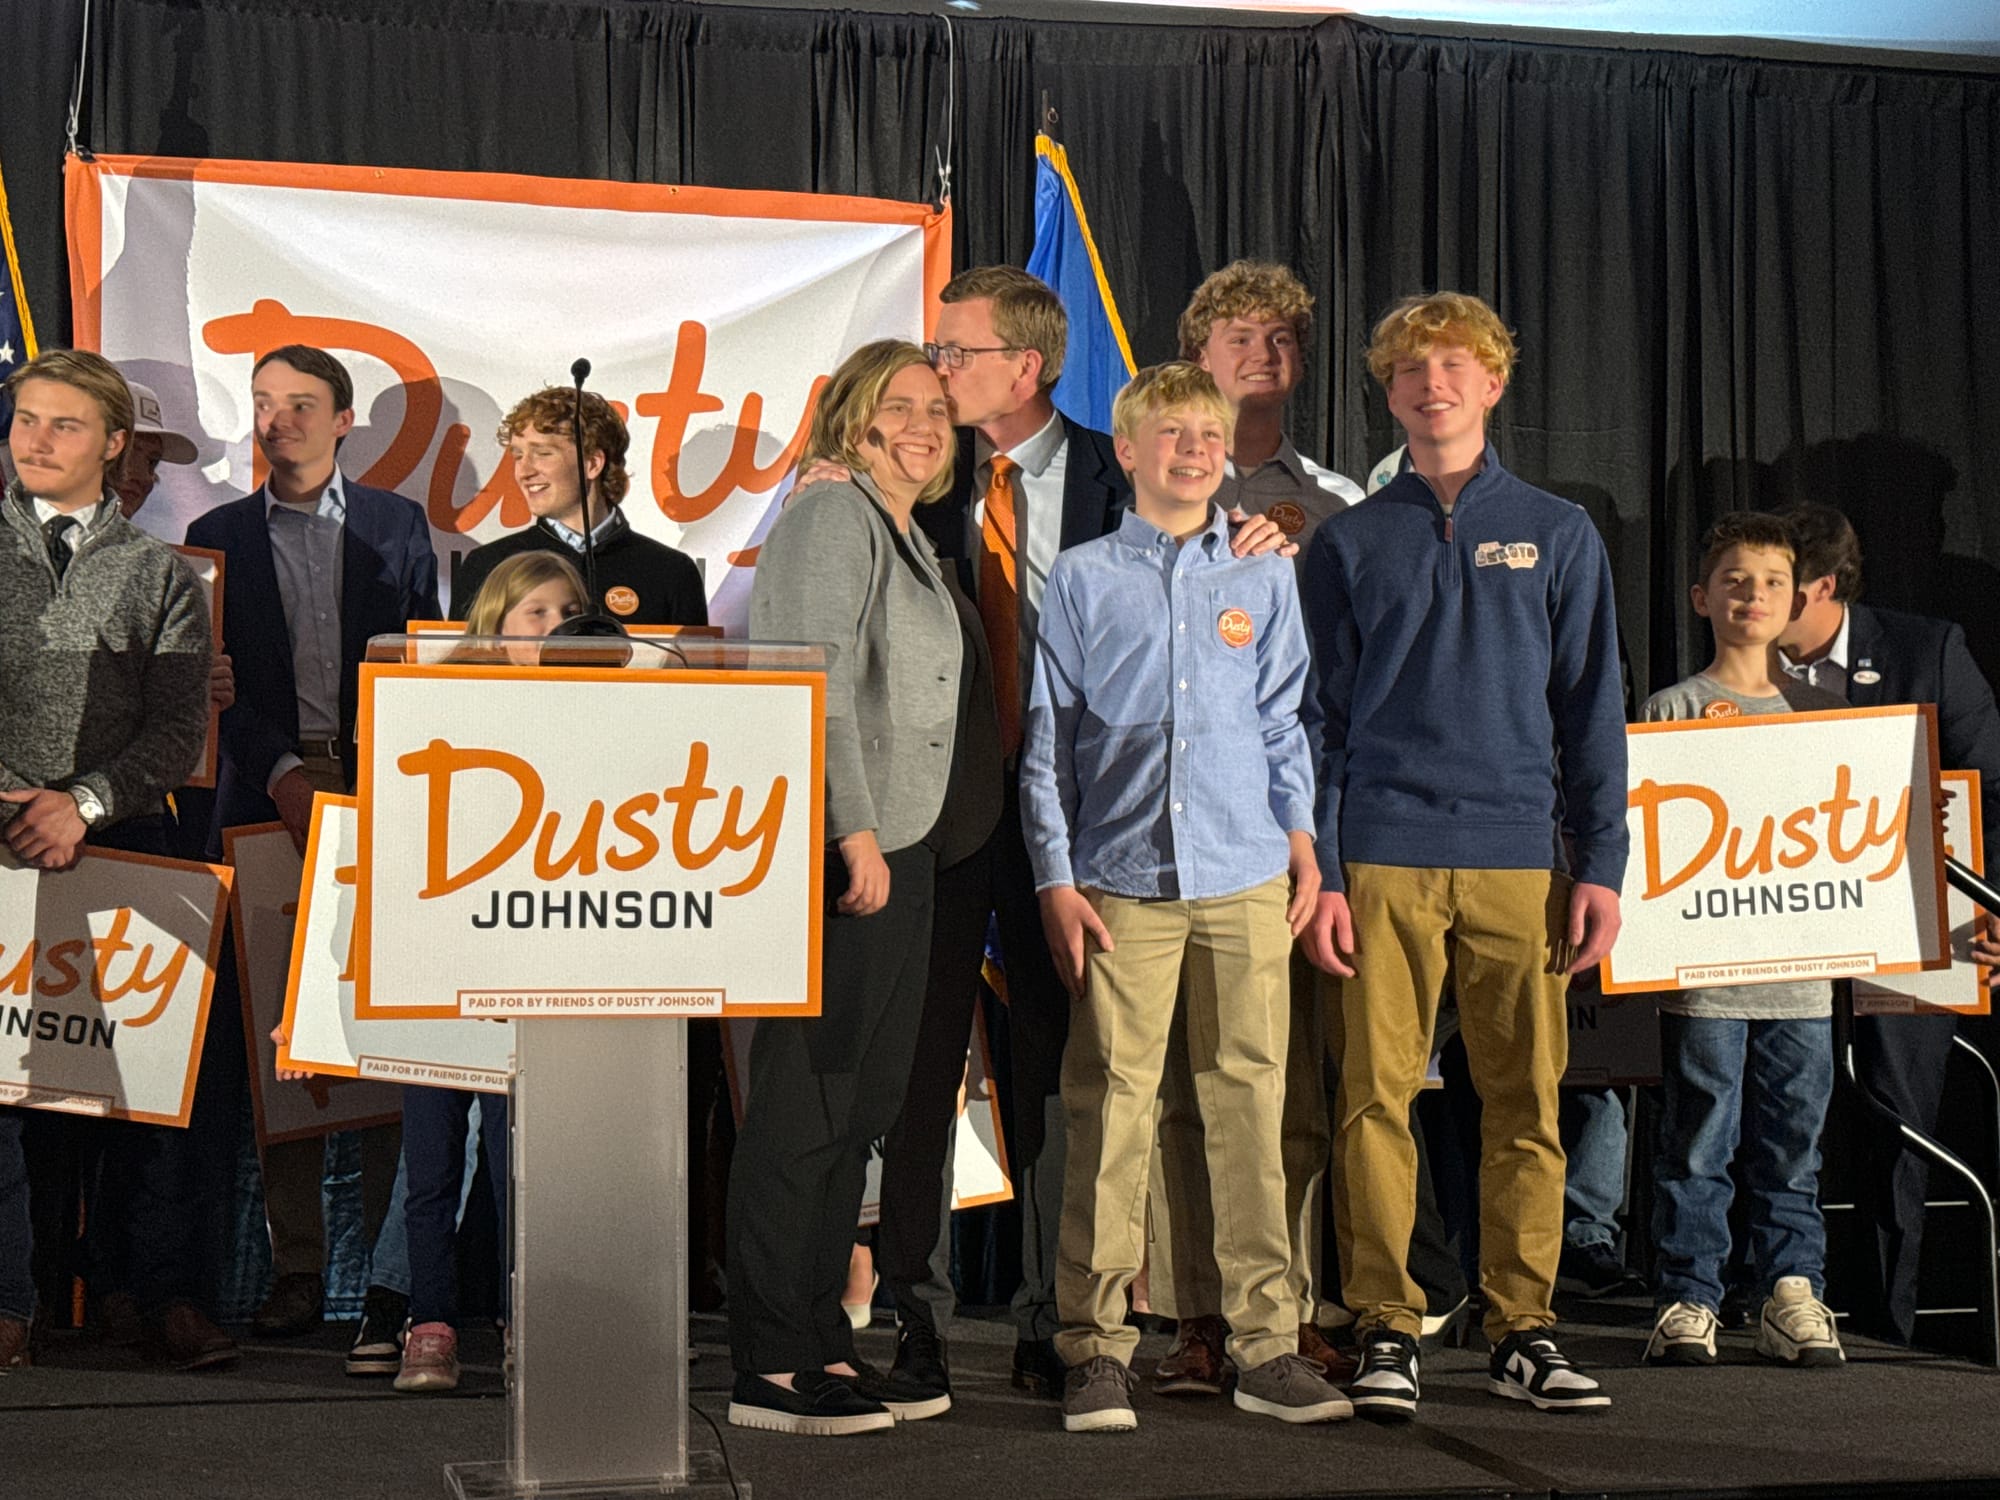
(1796, 1328)
(1683, 1334)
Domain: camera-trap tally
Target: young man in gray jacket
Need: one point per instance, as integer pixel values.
(104, 666)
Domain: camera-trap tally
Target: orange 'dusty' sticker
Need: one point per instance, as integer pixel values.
(1234, 627)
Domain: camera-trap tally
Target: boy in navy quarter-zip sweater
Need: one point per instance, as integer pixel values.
(1471, 817)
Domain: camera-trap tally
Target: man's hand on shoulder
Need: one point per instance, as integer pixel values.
(1594, 920)
(1067, 916)
(820, 471)
(1330, 937)
(48, 831)
(1253, 536)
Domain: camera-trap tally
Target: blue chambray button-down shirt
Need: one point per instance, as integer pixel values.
(1167, 678)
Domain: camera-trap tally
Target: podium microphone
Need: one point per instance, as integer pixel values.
(593, 621)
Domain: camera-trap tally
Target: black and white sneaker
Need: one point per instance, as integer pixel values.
(378, 1342)
(1527, 1366)
(1385, 1388)
(908, 1397)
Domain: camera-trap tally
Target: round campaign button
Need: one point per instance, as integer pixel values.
(621, 600)
(1721, 708)
(1234, 627)
(1288, 517)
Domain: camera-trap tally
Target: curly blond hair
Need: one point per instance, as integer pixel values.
(1418, 324)
(1260, 290)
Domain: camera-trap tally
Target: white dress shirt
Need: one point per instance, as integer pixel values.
(1829, 673)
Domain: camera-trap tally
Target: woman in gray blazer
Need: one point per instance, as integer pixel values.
(845, 567)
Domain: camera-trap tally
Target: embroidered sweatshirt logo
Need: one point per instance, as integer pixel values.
(1513, 554)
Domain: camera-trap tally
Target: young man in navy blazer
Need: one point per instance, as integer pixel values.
(315, 565)
(1874, 656)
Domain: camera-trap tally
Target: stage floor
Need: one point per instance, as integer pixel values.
(92, 1421)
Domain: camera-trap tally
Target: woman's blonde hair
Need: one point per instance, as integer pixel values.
(515, 579)
(848, 405)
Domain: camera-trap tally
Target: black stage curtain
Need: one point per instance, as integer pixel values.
(1735, 281)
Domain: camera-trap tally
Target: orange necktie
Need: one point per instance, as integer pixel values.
(1000, 600)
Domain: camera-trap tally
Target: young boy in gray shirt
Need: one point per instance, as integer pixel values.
(1749, 1067)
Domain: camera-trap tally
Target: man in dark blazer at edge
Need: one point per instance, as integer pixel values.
(1030, 483)
(1879, 656)
(315, 565)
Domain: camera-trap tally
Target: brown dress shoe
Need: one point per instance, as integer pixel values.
(1197, 1364)
(14, 1353)
(184, 1336)
(1340, 1367)
(118, 1318)
(294, 1306)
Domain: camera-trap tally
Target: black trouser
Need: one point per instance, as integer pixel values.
(915, 1183)
(821, 1091)
(142, 1233)
(1901, 1061)
(1038, 1030)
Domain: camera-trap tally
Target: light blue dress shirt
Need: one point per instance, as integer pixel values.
(305, 550)
(1164, 756)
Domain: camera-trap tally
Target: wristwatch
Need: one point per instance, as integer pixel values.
(88, 807)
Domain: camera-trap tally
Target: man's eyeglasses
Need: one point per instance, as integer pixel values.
(957, 356)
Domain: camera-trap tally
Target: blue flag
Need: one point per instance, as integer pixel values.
(17, 331)
(1099, 359)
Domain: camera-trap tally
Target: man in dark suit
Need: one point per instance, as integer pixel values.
(1877, 656)
(316, 564)
(1030, 482)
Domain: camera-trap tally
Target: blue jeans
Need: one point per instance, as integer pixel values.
(1593, 1137)
(17, 1243)
(389, 1264)
(1765, 1085)
(434, 1130)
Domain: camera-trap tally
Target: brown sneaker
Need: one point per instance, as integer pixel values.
(14, 1353)
(295, 1305)
(184, 1336)
(1338, 1365)
(430, 1359)
(1196, 1365)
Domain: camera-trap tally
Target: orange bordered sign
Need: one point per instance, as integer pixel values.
(1781, 847)
(569, 841)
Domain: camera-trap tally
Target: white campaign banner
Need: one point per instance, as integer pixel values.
(264, 902)
(710, 317)
(106, 971)
(1781, 846)
(1961, 989)
(322, 1033)
(508, 866)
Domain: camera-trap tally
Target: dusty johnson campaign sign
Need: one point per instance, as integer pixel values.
(105, 975)
(573, 841)
(1787, 846)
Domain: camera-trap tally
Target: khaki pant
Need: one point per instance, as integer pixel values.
(1185, 1281)
(1496, 933)
(1233, 951)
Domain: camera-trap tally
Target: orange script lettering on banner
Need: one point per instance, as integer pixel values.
(712, 319)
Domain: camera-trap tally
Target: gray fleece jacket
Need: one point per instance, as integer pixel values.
(103, 674)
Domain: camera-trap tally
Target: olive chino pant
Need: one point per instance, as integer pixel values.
(1497, 937)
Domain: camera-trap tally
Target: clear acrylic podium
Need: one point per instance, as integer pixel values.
(598, 1397)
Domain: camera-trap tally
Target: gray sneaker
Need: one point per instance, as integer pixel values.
(1097, 1397)
(1292, 1390)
